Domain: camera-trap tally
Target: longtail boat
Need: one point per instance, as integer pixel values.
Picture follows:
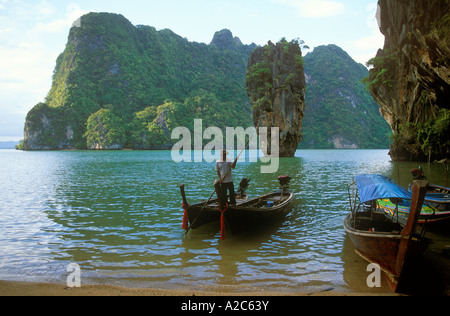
(433, 210)
(437, 201)
(246, 213)
(377, 237)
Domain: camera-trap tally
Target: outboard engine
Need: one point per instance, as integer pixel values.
(284, 181)
(418, 174)
(243, 185)
(284, 184)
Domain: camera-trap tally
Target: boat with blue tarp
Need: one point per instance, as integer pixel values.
(378, 237)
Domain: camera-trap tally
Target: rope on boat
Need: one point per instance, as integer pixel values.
(222, 221)
(185, 216)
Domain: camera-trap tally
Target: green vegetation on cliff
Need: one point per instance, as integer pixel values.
(139, 84)
(340, 112)
(263, 76)
(110, 64)
(152, 127)
(105, 130)
(276, 86)
(424, 139)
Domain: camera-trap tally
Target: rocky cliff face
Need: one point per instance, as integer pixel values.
(224, 40)
(276, 86)
(47, 128)
(410, 79)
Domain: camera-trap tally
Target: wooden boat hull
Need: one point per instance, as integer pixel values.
(243, 214)
(382, 248)
(379, 239)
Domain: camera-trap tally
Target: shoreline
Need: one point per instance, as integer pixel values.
(17, 288)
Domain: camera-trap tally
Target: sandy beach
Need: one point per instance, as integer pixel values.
(8, 288)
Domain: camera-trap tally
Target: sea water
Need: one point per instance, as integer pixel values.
(117, 215)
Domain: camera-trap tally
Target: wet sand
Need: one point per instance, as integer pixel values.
(44, 289)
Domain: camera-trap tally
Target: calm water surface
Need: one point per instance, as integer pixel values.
(118, 215)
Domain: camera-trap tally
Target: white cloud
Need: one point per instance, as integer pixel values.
(44, 9)
(73, 12)
(32, 35)
(368, 46)
(27, 57)
(371, 42)
(315, 8)
(27, 37)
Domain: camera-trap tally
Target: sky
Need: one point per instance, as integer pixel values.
(34, 32)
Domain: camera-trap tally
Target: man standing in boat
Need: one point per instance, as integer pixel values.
(223, 168)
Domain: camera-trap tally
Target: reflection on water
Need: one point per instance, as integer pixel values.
(118, 215)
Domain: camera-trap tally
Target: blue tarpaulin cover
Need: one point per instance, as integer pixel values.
(374, 186)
